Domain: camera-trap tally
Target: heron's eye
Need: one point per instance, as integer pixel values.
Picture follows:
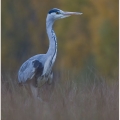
(57, 12)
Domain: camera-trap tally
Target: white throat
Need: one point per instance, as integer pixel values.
(52, 51)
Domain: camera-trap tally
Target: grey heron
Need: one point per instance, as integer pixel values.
(37, 70)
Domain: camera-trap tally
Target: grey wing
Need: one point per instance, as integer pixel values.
(29, 69)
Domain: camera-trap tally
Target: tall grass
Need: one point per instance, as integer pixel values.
(68, 98)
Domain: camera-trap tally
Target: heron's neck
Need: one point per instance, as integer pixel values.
(52, 51)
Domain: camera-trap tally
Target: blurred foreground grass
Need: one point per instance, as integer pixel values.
(71, 97)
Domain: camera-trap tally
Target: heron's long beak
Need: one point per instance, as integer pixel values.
(72, 13)
(67, 14)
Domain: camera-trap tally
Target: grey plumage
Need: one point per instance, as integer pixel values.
(39, 67)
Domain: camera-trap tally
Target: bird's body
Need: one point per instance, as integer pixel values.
(39, 67)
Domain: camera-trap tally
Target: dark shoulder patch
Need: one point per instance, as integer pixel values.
(39, 67)
(53, 10)
(36, 63)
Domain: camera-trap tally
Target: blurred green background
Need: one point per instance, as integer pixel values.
(84, 42)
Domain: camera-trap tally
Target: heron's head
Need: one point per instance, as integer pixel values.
(56, 13)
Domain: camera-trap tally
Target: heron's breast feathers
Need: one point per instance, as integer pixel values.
(47, 66)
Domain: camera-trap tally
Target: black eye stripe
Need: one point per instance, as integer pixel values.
(54, 10)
